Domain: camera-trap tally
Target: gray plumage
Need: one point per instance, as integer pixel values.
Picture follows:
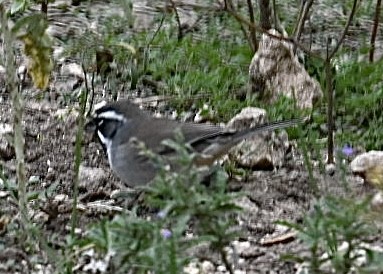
(118, 123)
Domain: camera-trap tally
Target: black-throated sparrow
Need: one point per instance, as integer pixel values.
(119, 124)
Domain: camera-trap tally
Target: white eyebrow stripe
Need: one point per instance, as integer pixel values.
(111, 115)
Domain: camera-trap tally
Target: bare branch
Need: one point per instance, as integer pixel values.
(277, 24)
(229, 6)
(253, 37)
(281, 38)
(374, 30)
(345, 30)
(265, 14)
(174, 7)
(305, 7)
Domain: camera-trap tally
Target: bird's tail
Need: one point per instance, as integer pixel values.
(243, 134)
(217, 150)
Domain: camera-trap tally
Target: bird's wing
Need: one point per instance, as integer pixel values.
(193, 133)
(201, 137)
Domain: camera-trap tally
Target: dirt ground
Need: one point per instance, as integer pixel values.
(50, 132)
(50, 128)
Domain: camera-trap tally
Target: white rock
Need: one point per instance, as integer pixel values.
(22, 72)
(91, 175)
(330, 169)
(57, 54)
(34, 179)
(262, 151)
(275, 71)
(207, 267)
(241, 247)
(369, 166)
(377, 202)
(247, 118)
(191, 268)
(5, 128)
(61, 198)
(367, 160)
(72, 69)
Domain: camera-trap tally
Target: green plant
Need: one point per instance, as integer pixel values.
(334, 232)
(31, 31)
(158, 243)
(359, 97)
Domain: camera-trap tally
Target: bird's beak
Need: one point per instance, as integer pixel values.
(90, 130)
(90, 126)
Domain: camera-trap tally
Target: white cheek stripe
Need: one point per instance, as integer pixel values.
(112, 115)
(108, 144)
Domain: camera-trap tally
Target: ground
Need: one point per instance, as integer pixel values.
(282, 194)
(50, 129)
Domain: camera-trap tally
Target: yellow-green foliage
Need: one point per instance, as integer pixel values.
(37, 47)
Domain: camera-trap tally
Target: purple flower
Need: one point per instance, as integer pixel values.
(347, 150)
(166, 233)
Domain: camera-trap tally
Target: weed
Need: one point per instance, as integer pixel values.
(158, 243)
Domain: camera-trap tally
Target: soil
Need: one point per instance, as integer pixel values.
(50, 128)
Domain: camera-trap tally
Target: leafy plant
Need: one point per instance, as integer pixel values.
(334, 232)
(359, 97)
(158, 243)
(37, 47)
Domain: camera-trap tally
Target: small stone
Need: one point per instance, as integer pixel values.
(247, 118)
(72, 69)
(207, 267)
(41, 217)
(34, 179)
(241, 247)
(191, 268)
(57, 54)
(91, 175)
(377, 201)
(7, 151)
(22, 72)
(61, 198)
(330, 169)
(5, 128)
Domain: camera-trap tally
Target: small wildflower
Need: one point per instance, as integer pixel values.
(166, 233)
(161, 214)
(347, 150)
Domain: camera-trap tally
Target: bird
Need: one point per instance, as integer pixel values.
(120, 124)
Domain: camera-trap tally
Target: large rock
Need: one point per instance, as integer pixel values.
(263, 151)
(369, 166)
(275, 71)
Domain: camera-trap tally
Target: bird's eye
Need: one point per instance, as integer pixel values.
(107, 127)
